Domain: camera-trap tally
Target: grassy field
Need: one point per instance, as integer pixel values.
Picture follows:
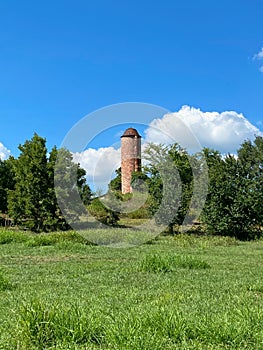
(182, 292)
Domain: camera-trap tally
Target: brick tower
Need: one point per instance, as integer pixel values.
(130, 157)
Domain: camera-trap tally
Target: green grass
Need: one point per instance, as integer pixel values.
(5, 283)
(185, 292)
(170, 262)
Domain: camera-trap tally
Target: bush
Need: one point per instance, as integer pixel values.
(101, 213)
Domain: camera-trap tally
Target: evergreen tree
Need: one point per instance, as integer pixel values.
(7, 181)
(250, 157)
(28, 202)
(33, 203)
(115, 184)
(234, 201)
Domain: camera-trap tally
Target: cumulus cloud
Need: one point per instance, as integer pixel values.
(261, 69)
(99, 164)
(259, 55)
(192, 128)
(4, 152)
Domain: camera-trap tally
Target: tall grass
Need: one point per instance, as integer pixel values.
(43, 239)
(156, 327)
(203, 241)
(42, 326)
(9, 236)
(171, 262)
(182, 292)
(5, 283)
(48, 239)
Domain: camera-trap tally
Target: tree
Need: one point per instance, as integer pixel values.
(170, 182)
(83, 187)
(234, 201)
(28, 202)
(7, 181)
(33, 203)
(139, 181)
(250, 157)
(72, 192)
(102, 212)
(115, 184)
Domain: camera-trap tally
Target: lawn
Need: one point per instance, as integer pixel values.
(183, 292)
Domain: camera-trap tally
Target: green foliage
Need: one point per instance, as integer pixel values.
(28, 202)
(72, 192)
(250, 157)
(42, 240)
(174, 180)
(234, 201)
(32, 203)
(7, 181)
(115, 184)
(141, 213)
(233, 206)
(139, 181)
(170, 183)
(118, 201)
(8, 236)
(103, 214)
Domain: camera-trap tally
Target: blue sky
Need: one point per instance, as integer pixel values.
(61, 60)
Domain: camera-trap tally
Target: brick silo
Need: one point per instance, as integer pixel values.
(130, 157)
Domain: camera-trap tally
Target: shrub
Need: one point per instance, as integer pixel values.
(101, 213)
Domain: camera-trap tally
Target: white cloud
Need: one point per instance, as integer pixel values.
(261, 69)
(100, 165)
(4, 152)
(222, 131)
(259, 55)
(189, 127)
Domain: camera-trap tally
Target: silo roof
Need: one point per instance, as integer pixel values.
(131, 132)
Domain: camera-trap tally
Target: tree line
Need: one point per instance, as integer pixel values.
(230, 196)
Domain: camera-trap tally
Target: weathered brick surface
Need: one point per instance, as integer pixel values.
(130, 157)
